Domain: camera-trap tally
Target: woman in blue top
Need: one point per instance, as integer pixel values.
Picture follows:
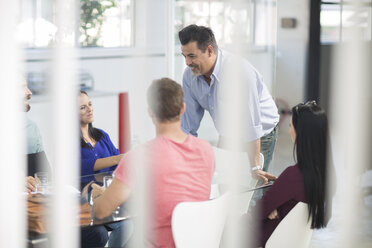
(98, 154)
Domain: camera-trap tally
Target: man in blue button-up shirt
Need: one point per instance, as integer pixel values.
(206, 81)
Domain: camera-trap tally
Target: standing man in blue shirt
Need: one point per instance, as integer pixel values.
(204, 81)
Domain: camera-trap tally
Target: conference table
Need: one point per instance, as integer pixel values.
(39, 211)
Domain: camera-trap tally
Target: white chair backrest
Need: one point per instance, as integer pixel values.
(293, 231)
(199, 224)
(215, 191)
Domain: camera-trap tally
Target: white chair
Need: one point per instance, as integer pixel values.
(215, 191)
(199, 224)
(293, 231)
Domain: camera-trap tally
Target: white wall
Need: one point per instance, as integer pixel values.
(133, 69)
(292, 47)
(41, 112)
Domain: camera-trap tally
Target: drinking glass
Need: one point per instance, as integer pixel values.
(107, 181)
(41, 182)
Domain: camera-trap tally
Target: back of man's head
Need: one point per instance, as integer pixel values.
(165, 99)
(202, 35)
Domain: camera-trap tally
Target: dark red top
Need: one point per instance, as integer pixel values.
(285, 193)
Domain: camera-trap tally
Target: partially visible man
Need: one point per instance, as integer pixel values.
(205, 81)
(35, 149)
(90, 237)
(180, 166)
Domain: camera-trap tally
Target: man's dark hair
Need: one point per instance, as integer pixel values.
(202, 35)
(165, 99)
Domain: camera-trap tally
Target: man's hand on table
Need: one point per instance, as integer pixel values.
(97, 191)
(263, 175)
(31, 184)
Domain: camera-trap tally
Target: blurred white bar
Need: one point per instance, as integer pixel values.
(350, 130)
(65, 224)
(169, 49)
(141, 124)
(234, 124)
(12, 147)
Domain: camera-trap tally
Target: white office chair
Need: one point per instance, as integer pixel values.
(293, 231)
(199, 224)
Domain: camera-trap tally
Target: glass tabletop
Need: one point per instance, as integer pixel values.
(38, 206)
(119, 214)
(260, 185)
(38, 209)
(96, 178)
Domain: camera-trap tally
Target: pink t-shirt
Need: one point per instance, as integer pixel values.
(179, 172)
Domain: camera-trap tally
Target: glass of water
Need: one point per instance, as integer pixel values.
(41, 182)
(107, 181)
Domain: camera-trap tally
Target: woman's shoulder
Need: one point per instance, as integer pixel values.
(99, 130)
(291, 171)
(101, 136)
(104, 134)
(290, 176)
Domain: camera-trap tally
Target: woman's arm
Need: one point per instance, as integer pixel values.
(110, 156)
(109, 161)
(284, 189)
(102, 163)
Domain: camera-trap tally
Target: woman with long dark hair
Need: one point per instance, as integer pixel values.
(98, 154)
(304, 182)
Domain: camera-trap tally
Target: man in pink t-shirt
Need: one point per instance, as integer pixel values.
(180, 165)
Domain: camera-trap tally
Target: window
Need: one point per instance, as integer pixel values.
(265, 23)
(249, 22)
(103, 23)
(340, 19)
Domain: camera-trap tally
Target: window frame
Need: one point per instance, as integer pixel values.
(341, 5)
(252, 38)
(45, 53)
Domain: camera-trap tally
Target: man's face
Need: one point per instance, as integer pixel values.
(27, 96)
(199, 62)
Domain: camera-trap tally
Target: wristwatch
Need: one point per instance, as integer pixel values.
(257, 167)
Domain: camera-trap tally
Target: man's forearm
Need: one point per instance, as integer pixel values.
(253, 150)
